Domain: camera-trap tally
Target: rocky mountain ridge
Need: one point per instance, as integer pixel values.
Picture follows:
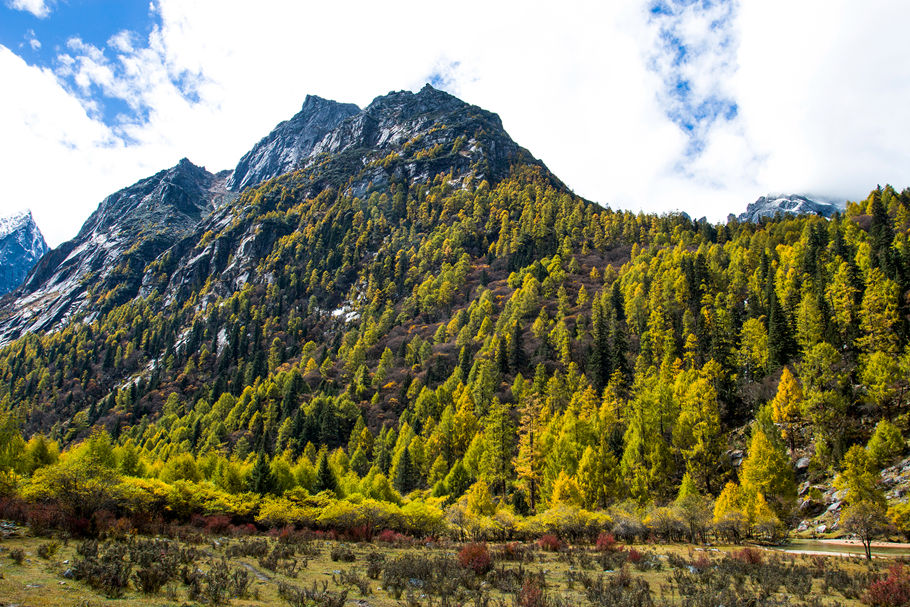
(101, 266)
(21, 246)
(400, 137)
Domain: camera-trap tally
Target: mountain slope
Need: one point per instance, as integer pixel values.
(21, 246)
(102, 266)
(421, 285)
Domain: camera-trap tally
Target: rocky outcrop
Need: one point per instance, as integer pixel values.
(21, 246)
(290, 142)
(767, 207)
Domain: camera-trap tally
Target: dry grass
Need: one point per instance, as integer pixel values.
(41, 582)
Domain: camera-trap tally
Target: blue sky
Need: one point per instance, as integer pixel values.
(40, 41)
(657, 105)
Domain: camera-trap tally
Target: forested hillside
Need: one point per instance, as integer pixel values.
(477, 349)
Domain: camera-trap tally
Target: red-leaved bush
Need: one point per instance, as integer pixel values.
(549, 542)
(634, 556)
(531, 593)
(606, 542)
(891, 591)
(702, 562)
(475, 557)
(387, 536)
(750, 556)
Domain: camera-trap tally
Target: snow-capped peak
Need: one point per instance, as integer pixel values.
(21, 246)
(788, 204)
(13, 222)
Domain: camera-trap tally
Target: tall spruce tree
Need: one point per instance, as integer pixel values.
(407, 477)
(325, 477)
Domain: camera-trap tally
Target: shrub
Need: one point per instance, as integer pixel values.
(149, 580)
(18, 555)
(375, 559)
(216, 586)
(702, 562)
(514, 552)
(749, 556)
(531, 594)
(620, 590)
(634, 556)
(550, 543)
(107, 570)
(217, 524)
(440, 576)
(256, 547)
(352, 579)
(343, 553)
(280, 559)
(891, 591)
(49, 550)
(476, 557)
(306, 597)
(393, 537)
(610, 561)
(606, 542)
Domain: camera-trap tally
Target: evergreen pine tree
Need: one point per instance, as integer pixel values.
(325, 477)
(457, 480)
(406, 475)
(517, 358)
(260, 479)
(780, 337)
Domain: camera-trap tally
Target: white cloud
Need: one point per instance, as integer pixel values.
(820, 87)
(38, 8)
(55, 159)
(32, 40)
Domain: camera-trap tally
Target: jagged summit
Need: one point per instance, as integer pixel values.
(21, 246)
(787, 204)
(290, 142)
(170, 198)
(14, 222)
(427, 99)
(403, 122)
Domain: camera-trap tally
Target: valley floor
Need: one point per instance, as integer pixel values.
(301, 570)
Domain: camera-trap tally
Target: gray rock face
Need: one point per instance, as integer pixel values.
(398, 122)
(102, 266)
(21, 246)
(290, 142)
(769, 206)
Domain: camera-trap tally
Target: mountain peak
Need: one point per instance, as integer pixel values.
(771, 205)
(289, 142)
(21, 246)
(428, 99)
(14, 222)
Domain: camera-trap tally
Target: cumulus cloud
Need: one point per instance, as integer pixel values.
(658, 105)
(39, 8)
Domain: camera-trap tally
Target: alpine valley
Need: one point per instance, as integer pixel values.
(397, 318)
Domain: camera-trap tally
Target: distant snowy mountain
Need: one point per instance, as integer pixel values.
(787, 204)
(21, 246)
